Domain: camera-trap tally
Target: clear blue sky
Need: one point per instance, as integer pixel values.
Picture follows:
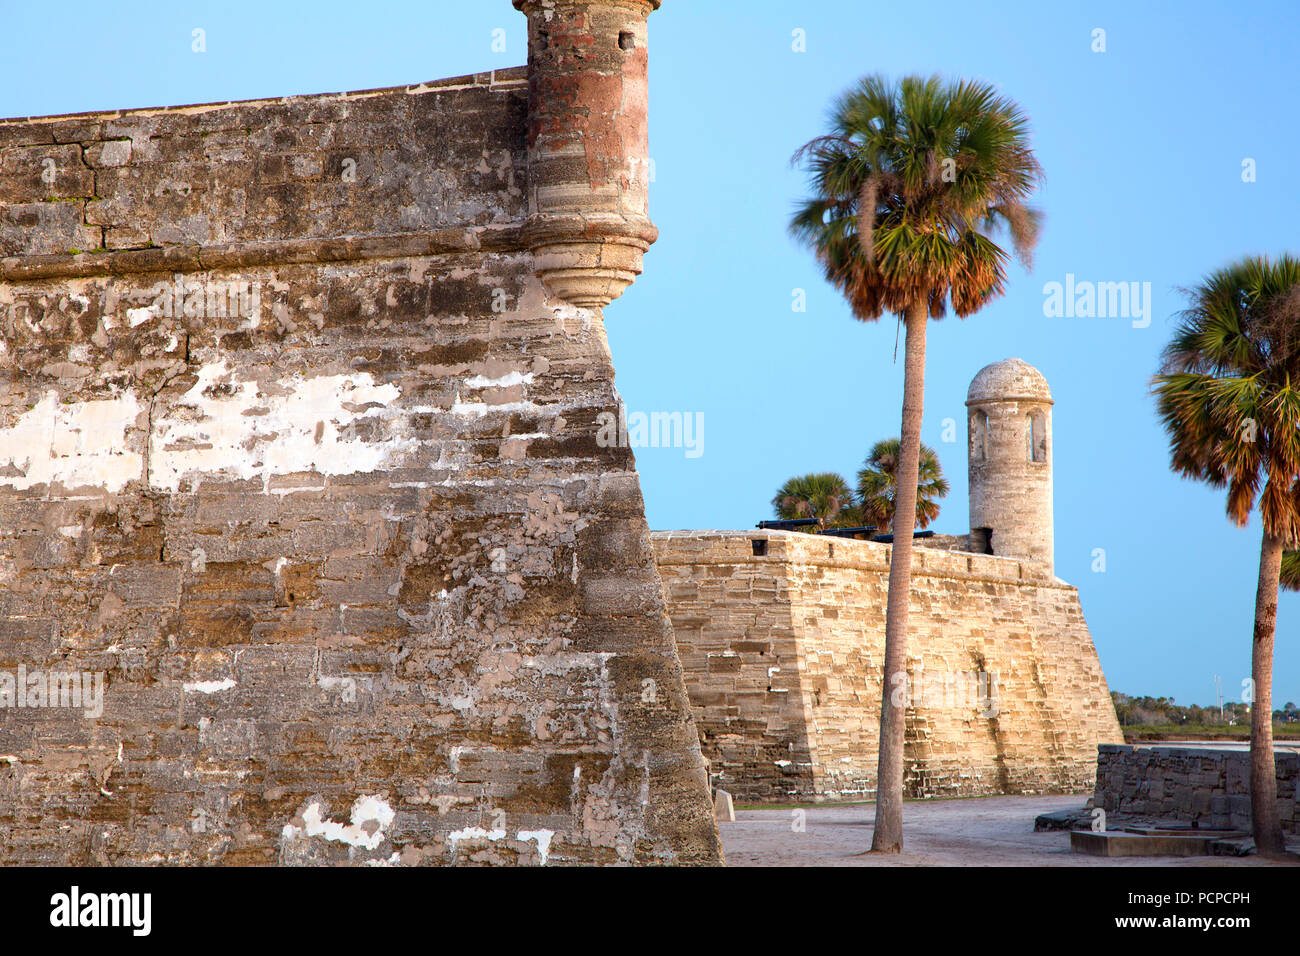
(1142, 146)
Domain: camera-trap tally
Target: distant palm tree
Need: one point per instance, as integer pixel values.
(907, 187)
(825, 496)
(1229, 397)
(878, 485)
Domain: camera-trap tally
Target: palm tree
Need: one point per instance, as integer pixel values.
(825, 496)
(878, 485)
(1229, 397)
(907, 188)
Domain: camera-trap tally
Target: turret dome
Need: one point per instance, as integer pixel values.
(1011, 379)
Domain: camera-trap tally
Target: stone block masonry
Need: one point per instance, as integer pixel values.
(781, 636)
(298, 451)
(1197, 785)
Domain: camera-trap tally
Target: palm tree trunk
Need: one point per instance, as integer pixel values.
(888, 833)
(1265, 821)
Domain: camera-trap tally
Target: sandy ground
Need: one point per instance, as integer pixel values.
(980, 831)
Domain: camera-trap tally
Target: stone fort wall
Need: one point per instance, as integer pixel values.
(298, 454)
(781, 636)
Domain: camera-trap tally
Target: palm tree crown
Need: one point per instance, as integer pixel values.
(824, 495)
(1229, 390)
(908, 186)
(878, 485)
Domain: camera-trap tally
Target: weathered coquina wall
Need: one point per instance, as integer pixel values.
(781, 636)
(1194, 784)
(298, 457)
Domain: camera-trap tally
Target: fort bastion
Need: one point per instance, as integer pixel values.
(782, 637)
(297, 450)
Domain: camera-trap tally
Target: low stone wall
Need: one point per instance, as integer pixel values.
(1211, 787)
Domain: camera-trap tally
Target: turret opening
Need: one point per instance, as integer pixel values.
(979, 435)
(627, 40)
(1037, 436)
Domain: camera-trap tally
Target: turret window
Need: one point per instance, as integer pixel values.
(979, 436)
(1037, 435)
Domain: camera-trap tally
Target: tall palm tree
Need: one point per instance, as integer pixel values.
(1229, 396)
(908, 188)
(825, 496)
(878, 485)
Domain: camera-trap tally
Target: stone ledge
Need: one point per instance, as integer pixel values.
(508, 238)
(675, 549)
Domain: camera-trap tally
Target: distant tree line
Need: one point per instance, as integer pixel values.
(1162, 711)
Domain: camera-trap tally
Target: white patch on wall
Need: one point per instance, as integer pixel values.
(479, 409)
(236, 431)
(209, 686)
(371, 816)
(543, 840)
(505, 381)
(78, 444)
(475, 833)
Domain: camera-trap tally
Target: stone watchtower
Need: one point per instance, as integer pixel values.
(588, 164)
(1010, 429)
